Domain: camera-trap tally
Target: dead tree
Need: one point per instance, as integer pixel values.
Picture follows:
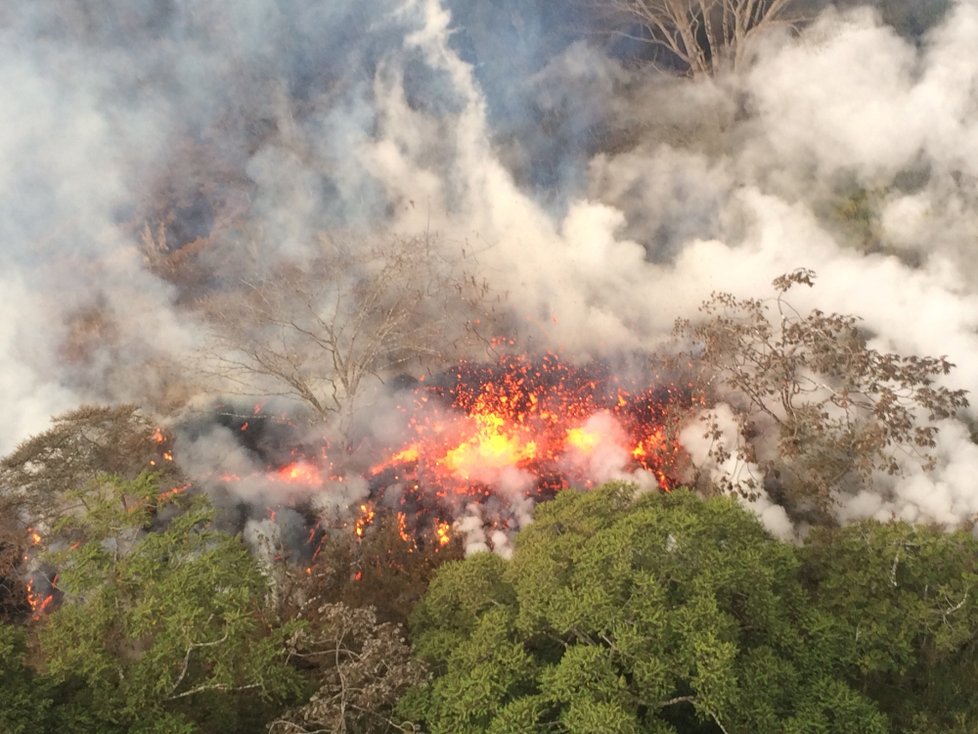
(317, 332)
(705, 36)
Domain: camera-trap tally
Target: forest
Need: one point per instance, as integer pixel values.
(489, 366)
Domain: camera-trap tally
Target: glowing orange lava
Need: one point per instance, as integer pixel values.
(535, 423)
(39, 602)
(299, 472)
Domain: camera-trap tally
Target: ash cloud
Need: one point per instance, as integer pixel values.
(156, 152)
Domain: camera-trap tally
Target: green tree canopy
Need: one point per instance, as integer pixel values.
(161, 631)
(617, 613)
(897, 613)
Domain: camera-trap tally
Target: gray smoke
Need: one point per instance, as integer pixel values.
(604, 200)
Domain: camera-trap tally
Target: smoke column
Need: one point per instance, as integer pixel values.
(604, 200)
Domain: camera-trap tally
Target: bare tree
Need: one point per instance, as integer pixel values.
(361, 667)
(706, 36)
(838, 410)
(316, 332)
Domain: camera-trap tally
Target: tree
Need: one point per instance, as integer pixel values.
(705, 36)
(897, 613)
(44, 476)
(622, 612)
(360, 667)
(316, 333)
(840, 410)
(13, 549)
(162, 631)
(385, 567)
(27, 701)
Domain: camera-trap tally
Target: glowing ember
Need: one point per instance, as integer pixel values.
(173, 492)
(484, 442)
(582, 439)
(493, 446)
(40, 602)
(402, 528)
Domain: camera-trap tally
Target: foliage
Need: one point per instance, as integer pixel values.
(386, 568)
(43, 477)
(660, 613)
(361, 668)
(897, 611)
(842, 411)
(27, 701)
(163, 630)
(13, 549)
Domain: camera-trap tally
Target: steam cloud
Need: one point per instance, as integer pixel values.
(603, 201)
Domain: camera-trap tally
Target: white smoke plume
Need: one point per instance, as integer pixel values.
(603, 200)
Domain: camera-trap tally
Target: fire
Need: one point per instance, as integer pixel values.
(367, 515)
(39, 602)
(402, 528)
(494, 446)
(582, 439)
(174, 492)
(299, 472)
(443, 533)
(411, 453)
(487, 440)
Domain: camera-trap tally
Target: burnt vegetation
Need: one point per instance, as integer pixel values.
(840, 411)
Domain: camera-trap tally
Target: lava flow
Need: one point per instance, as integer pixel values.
(536, 426)
(476, 448)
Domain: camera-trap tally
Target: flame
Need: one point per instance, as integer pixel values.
(174, 492)
(158, 436)
(402, 528)
(39, 602)
(443, 533)
(367, 515)
(515, 431)
(494, 446)
(582, 439)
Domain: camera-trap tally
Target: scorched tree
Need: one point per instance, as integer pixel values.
(839, 411)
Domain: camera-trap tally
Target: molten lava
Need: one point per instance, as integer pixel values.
(476, 448)
(299, 472)
(537, 425)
